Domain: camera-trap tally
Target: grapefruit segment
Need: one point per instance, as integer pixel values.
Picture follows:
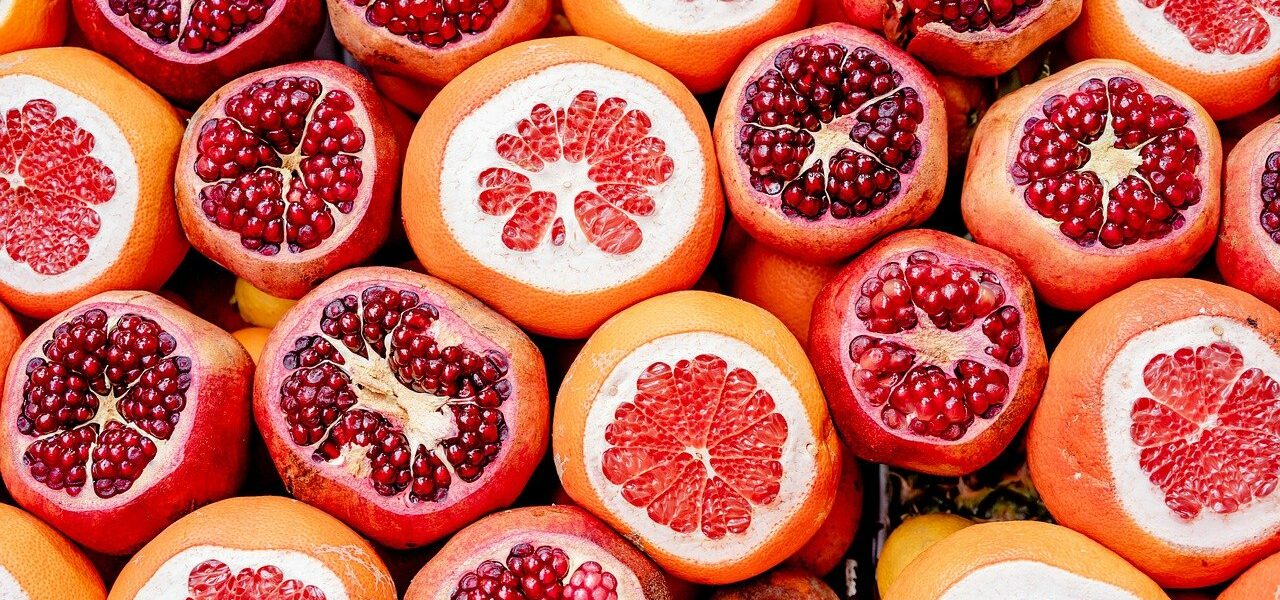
(213, 580)
(1221, 26)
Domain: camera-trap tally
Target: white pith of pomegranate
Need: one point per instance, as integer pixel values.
(1212, 36)
(700, 443)
(530, 565)
(1113, 163)
(1031, 579)
(575, 179)
(1196, 396)
(697, 16)
(217, 572)
(68, 187)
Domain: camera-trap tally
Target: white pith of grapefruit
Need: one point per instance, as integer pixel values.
(171, 579)
(1164, 38)
(10, 587)
(696, 16)
(1030, 579)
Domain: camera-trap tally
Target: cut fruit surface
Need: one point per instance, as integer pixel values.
(84, 150)
(578, 183)
(1248, 250)
(1180, 396)
(37, 563)
(700, 438)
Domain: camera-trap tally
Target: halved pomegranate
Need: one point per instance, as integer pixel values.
(401, 405)
(288, 175)
(186, 49)
(1248, 252)
(431, 41)
(539, 552)
(828, 139)
(1095, 178)
(122, 414)
(930, 353)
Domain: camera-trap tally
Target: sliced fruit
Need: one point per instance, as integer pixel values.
(258, 307)
(1156, 435)
(32, 24)
(86, 181)
(929, 349)
(1223, 53)
(908, 540)
(186, 49)
(538, 552)
(122, 414)
(827, 548)
(783, 583)
(1094, 178)
(1260, 581)
(288, 175)
(1248, 252)
(401, 405)
(1021, 559)
(37, 563)
(701, 42)
(779, 283)
(259, 548)
(430, 41)
(562, 180)
(828, 139)
(693, 424)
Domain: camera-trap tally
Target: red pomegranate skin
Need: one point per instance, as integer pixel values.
(394, 519)
(288, 31)
(837, 325)
(210, 443)
(1248, 253)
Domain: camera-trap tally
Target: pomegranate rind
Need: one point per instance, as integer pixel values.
(785, 582)
(1070, 450)
(1226, 85)
(392, 520)
(694, 557)
(835, 324)
(1246, 255)
(41, 563)
(260, 526)
(1065, 274)
(546, 310)
(582, 536)
(153, 245)
(288, 32)
(996, 49)
(1032, 557)
(380, 50)
(407, 94)
(828, 239)
(702, 52)
(290, 274)
(204, 460)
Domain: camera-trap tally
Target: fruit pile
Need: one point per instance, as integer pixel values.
(629, 299)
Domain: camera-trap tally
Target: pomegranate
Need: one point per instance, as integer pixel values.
(288, 175)
(186, 49)
(967, 100)
(539, 552)
(401, 405)
(779, 584)
(120, 415)
(828, 139)
(1094, 178)
(431, 41)
(1248, 252)
(929, 350)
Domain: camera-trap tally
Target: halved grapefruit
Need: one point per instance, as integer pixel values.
(1159, 431)
(694, 424)
(37, 563)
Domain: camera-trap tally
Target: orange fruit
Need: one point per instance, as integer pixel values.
(1155, 432)
(11, 336)
(701, 42)
(1021, 559)
(274, 546)
(253, 339)
(694, 425)
(88, 156)
(32, 24)
(779, 283)
(1260, 581)
(1225, 55)
(258, 307)
(828, 546)
(562, 180)
(828, 11)
(37, 563)
(909, 539)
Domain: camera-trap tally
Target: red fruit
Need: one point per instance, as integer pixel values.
(430, 41)
(401, 405)
(929, 350)
(867, 14)
(1094, 178)
(829, 138)
(120, 415)
(967, 100)
(287, 175)
(539, 552)
(188, 49)
(1248, 252)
